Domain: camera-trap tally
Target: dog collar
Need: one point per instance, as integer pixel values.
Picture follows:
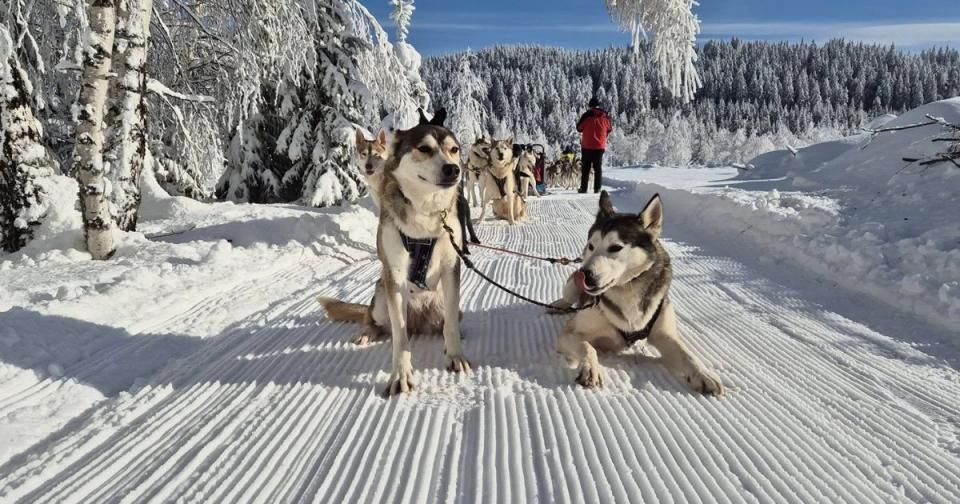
(635, 336)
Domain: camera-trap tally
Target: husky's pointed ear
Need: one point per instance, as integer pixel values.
(606, 206)
(423, 118)
(652, 215)
(359, 136)
(382, 137)
(439, 117)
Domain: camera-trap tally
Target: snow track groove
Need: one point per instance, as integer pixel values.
(282, 408)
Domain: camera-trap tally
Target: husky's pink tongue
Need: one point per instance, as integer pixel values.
(581, 279)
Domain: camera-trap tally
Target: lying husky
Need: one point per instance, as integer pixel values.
(626, 273)
(370, 157)
(499, 183)
(419, 287)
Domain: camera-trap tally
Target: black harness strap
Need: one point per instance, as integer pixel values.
(642, 334)
(421, 251)
(501, 185)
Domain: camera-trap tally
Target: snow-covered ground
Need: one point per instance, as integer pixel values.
(197, 366)
(850, 212)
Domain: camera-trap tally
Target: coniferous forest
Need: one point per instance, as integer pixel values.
(755, 95)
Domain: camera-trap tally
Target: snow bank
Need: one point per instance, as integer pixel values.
(851, 211)
(199, 268)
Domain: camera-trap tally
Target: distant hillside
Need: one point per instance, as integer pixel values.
(757, 88)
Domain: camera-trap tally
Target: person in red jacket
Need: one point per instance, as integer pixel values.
(594, 126)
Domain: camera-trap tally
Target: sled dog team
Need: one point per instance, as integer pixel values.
(621, 288)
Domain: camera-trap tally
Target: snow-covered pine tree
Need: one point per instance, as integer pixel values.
(674, 44)
(334, 106)
(88, 157)
(126, 138)
(25, 164)
(466, 113)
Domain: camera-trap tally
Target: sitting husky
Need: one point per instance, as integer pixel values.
(526, 180)
(370, 157)
(419, 286)
(626, 273)
(477, 161)
(499, 183)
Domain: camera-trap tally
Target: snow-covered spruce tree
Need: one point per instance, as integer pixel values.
(126, 138)
(88, 156)
(675, 28)
(467, 92)
(296, 142)
(25, 164)
(332, 105)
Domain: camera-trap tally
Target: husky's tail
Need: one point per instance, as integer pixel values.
(338, 311)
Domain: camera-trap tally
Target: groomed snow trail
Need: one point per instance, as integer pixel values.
(282, 408)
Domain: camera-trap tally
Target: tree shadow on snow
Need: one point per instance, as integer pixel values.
(107, 358)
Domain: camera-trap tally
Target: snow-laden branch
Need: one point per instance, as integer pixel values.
(675, 28)
(157, 87)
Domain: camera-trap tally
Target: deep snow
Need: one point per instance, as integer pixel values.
(850, 211)
(197, 366)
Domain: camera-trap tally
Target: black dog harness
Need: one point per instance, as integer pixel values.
(421, 251)
(501, 185)
(642, 334)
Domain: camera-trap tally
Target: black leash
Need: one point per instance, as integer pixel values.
(466, 260)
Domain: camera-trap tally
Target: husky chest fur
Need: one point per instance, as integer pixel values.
(625, 279)
(419, 287)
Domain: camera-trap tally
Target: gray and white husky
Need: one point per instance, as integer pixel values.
(370, 157)
(419, 287)
(626, 275)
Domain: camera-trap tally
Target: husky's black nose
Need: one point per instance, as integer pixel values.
(450, 170)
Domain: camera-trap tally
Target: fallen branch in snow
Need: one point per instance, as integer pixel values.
(172, 233)
(155, 86)
(793, 150)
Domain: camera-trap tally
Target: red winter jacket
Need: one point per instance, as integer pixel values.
(595, 126)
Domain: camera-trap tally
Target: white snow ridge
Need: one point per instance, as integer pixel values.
(221, 381)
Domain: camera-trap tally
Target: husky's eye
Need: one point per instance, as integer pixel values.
(454, 149)
(614, 249)
(590, 247)
(425, 149)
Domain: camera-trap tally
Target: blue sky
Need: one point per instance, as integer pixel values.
(442, 26)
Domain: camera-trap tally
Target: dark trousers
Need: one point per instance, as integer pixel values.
(591, 159)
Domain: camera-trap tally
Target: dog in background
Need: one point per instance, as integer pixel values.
(499, 183)
(371, 155)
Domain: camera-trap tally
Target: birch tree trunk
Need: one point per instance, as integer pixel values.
(88, 154)
(25, 163)
(126, 121)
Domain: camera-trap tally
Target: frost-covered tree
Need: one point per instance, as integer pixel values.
(296, 144)
(674, 45)
(401, 15)
(25, 164)
(126, 122)
(88, 157)
(466, 112)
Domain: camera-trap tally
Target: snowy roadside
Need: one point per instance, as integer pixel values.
(75, 331)
(857, 217)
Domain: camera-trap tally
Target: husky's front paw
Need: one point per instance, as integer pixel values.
(705, 382)
(401, 382)
(362, 338)
(590, 376)
(458, 364)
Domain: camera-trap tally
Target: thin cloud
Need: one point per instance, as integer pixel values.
(902, 34)
(905, 34)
